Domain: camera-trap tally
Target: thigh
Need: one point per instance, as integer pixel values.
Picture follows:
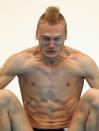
(81, 114)
(16, 114)
(86, 116)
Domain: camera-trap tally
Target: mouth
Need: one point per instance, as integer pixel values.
(51, 52)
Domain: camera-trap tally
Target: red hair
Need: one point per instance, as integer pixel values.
(53, 16)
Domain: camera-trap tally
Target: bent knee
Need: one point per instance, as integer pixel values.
(92, 95)
(6, 96)
(95, 100)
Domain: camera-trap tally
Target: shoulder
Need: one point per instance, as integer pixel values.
(22, 55)
(85, 62)
(79, 56)
(18, 62)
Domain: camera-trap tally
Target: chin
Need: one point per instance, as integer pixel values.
(51, 56)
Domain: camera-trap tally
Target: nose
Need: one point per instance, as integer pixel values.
(51, 44)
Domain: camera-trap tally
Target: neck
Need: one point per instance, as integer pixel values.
(51, 62)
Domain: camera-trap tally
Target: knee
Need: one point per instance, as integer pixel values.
(95, 100)
(93, 97)
(6, 97)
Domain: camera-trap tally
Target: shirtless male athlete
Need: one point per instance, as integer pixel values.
(51, 77)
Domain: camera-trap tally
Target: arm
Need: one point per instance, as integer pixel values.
(12, 67)
(5, 78)
(91, 72)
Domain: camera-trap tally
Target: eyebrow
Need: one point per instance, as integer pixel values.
(54, 36)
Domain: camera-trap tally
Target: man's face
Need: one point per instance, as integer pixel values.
(51, 39)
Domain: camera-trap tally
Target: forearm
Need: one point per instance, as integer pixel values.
(4, 80)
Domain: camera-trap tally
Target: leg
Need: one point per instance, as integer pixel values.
(12, 115)
(86, 117)
(92, 123)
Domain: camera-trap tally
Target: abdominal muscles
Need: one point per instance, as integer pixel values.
(50, 113)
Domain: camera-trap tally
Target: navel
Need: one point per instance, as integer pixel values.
(33, 84)
(67, 84)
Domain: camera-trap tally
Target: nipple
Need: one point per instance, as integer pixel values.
(33, 84)
(67, 84)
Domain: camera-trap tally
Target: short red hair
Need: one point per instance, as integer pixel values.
(53, 16)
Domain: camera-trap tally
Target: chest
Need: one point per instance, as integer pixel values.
(52, 82)
(65, 72)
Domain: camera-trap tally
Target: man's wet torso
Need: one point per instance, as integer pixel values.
(51, 94)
